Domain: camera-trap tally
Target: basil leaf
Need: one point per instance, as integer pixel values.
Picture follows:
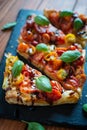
(78, 23)
(8, 25)
(85, 107)
(41, 20)
(35, 126)
(65, 13)
(42, 47)
(70, 56)
(17, 68)
(43, 83)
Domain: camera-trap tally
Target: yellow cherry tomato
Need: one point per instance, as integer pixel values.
(61, 74)
(18, 79)
(70, 38)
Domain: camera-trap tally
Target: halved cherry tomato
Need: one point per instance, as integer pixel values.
(70, 38)
(22, 47)
(72, 47)
(40, 29)
(71, 83)
(61, 74)
(54, 95)
(65, 24)
(27, 72)
(60, 50)
(54, 17)
(27, 35)
(79, 62)
(60, 38)
(56, 85)
(56, 91)
(18, 80)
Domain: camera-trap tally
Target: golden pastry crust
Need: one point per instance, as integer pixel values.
(14, 95)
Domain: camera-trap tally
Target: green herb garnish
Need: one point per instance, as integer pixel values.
(41, 20)
(8, 26)
(78, 23)
(43, 83)
(34, 126)
(42, 47)
(70, 56)
(65, 13)
(17, 68)
(85, 107)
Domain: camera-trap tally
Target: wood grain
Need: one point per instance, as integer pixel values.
(57, 4)
(81, 6)
(11, 125)
(8, 13)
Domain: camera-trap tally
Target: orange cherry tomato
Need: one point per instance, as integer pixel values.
(22, 47)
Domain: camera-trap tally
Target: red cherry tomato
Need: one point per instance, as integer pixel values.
(72, 47)
(54, 95)
(60, 38)
(26, 71)
(56, 91)
(26, 35)
(79, 62)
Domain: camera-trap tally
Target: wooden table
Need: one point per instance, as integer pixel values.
(8, 13)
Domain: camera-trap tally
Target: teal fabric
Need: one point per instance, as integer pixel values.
(55, 115)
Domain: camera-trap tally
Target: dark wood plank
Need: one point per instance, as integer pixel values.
(11, 125)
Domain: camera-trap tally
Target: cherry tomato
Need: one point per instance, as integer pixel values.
(56, 91)
(26, 71)
(71, 83)
(60, 38)
(22, 47)
(60, 50)
(54, 95)
(72, 47)
(54, 18)
(40, 29)
(56, 86)
(66, 24)
(79, 62)
(27, 35)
